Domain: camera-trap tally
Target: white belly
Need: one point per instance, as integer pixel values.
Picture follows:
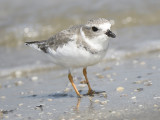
(72, 57)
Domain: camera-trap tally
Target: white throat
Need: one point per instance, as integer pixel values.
(98, 43)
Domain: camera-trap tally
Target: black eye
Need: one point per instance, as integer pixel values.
(94, 29)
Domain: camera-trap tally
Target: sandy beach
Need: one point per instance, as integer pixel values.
(126, 81)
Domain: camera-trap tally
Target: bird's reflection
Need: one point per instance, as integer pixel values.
(78, 104)
(91, 102)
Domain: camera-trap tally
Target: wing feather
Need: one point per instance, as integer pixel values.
(58, 40)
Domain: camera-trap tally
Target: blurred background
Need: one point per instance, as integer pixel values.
(136, 23)
(22, 20)
(126, 74)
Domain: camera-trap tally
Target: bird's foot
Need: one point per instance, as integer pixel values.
(91, 92)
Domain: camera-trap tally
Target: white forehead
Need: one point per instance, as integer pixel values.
(101, 23)
(104, 26)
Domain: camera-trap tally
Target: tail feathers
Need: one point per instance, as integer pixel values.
(34, 42)
(38, 45)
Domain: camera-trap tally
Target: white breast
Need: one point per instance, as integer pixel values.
(71, 56)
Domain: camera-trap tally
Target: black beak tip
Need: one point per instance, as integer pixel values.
(113, 35)
(110, 34)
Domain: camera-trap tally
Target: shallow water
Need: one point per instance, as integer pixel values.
(132, 61)
(33, 20)
(136, 23)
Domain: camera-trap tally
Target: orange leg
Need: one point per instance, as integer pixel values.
(90, 91)
(78, 103)
(71, 80)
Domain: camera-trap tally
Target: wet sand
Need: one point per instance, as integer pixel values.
(131, 92)
(33, 88)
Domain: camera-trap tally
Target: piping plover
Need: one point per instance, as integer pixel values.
(78, 46)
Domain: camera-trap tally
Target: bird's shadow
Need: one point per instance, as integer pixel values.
(63, 95)
(54, 95)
